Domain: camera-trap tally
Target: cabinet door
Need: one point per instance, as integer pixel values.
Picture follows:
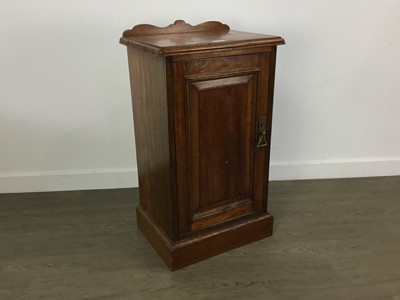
(221, 173)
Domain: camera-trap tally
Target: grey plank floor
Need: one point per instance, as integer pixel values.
(333, 239)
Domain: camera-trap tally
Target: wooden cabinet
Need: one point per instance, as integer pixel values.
(202, 103)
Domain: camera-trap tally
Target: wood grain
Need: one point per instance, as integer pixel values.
(333, 239)
(178, 27)
(152, 135)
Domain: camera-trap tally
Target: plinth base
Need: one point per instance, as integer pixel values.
(191, 250)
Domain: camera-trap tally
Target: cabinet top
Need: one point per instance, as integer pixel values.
(181, 37)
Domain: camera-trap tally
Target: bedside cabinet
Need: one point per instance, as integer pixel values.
(202, 107)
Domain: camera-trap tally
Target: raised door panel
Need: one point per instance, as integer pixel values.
(217, 158)
(220, 130)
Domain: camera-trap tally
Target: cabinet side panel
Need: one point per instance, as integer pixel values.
(150, 116)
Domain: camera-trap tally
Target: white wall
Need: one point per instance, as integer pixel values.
(65, 112)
